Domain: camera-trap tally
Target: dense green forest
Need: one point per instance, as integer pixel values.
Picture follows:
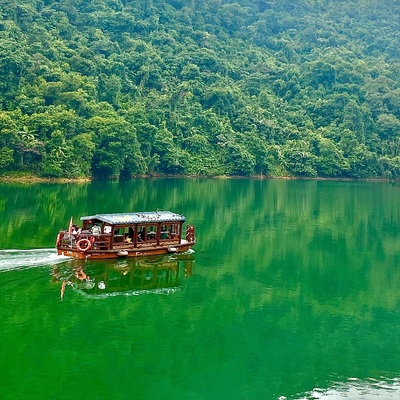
(120, 88)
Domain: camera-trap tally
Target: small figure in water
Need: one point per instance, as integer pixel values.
(63, 285)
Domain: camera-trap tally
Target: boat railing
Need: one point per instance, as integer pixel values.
(74, 241)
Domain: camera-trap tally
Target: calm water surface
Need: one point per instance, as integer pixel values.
(293, 292)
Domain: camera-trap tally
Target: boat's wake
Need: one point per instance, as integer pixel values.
(357, 390)
(17, 259)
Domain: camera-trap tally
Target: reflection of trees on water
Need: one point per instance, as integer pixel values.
(125, 276)
(321, 235)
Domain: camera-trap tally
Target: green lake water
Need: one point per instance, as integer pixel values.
(293, 292)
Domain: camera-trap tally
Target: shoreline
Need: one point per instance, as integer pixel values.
(32, 179)
(37, 179)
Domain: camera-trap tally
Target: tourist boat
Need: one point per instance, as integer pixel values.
(119, 235)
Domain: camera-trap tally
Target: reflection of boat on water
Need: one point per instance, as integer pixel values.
(160, 274)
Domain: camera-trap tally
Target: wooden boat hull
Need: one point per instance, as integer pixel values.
(94, 254)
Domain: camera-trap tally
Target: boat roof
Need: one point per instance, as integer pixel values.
(136, 217)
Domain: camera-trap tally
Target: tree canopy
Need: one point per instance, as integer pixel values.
(120, 88)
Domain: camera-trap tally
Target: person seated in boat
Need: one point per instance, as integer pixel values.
(96, 229)
(76, 230)
(129, 235)
(141, 235)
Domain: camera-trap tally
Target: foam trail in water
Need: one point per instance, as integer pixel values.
(354, 389)
(15, 259)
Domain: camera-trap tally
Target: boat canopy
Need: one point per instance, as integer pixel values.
(136, 217)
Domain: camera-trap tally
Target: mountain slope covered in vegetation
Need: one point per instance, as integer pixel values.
(118, 88)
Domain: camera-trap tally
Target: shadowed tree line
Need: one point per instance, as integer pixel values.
(120, 88)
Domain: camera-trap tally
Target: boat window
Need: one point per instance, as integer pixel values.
(169, 231)
(128, 234)
(122, 234)
(151, 232)
(118, 235)
(165, 232)
(175, 230)
(131, 234)
(141, 233)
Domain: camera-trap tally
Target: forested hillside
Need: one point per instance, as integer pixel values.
(118, 88)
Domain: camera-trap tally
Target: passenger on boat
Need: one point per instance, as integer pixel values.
(96, 229)
(141, 235)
